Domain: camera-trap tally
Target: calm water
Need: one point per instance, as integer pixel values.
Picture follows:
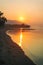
(31, 41)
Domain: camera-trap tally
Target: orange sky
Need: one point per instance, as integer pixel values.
(30, 10)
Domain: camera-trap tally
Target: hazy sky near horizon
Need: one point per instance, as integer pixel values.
(31, 10)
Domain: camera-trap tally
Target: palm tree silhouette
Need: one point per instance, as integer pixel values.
(2, 19)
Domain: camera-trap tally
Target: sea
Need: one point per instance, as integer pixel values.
(31, 42)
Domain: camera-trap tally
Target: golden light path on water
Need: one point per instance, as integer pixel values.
(29, 41)
(21, 36)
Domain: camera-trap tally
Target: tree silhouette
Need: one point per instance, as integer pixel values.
(1, 13)
(2, 19)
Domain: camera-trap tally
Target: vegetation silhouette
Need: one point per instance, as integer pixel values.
(2, 19)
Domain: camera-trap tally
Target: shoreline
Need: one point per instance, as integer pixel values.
(10, 52)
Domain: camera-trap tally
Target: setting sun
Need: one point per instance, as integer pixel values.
(21, 18)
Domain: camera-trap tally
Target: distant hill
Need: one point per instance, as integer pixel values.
(13, 22)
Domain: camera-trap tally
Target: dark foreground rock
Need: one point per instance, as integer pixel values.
(11, 53)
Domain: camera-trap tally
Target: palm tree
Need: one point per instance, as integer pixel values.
(2, 19)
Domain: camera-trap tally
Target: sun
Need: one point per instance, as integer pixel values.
(21, 18)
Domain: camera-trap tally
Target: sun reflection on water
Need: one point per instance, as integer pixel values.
(21, 36)
(16, 38)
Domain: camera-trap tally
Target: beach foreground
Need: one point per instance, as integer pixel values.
(10, 52)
